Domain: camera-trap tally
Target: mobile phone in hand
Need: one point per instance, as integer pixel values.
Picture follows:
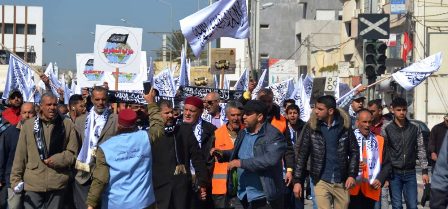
(147, 87)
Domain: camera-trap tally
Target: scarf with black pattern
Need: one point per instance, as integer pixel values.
(57, 137)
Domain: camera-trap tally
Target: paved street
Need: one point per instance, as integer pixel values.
(309, 203)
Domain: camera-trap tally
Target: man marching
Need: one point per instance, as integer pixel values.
(374, 166)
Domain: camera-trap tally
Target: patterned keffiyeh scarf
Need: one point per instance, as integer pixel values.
(369, 153)
(57, 137)
(198, 132)
(93, 129)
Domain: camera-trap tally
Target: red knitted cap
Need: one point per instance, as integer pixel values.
(195, 101)
(127, 118)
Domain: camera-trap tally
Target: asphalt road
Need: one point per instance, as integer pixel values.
(309, 203)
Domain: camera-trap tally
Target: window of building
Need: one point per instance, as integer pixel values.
(9, 28)
(304, 7)
(31, 56)
(20, 29)
(299, 38)
(325, 15)
(348, 28)
(264, 56)
(32, 29)
(340, 14)
(264, 26)
(303, 69)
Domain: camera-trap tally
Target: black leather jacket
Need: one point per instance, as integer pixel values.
(312, 144)
(404, 145)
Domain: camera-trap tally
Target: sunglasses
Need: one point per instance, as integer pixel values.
(209, 102)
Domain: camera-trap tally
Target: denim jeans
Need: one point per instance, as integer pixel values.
(313, 195)
(403, 183)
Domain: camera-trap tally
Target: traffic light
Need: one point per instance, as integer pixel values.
(374, 58)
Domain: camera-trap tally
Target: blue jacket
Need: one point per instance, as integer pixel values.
(269, 148)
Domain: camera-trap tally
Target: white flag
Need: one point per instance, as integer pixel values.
(308, 85)
(243, 81)
(164, 83)
(282, 91)
(226, 83)
(54, 82)
(220, 19)
(259, 85)
(19, 77)
(184, 77)
(302, 99)
(415, 74)
(67, 91)
(216, 80)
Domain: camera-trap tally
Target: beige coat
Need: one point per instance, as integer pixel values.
(109, 130)
(30, 169)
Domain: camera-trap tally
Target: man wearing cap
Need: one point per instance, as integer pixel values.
(353, 103)
(12, 113)
(204, 133)
(123, 173)
(96, 127)
(44, 158)
(436, 137)
(257, 159)
(173, 149)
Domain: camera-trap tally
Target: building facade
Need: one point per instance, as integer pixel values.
(21, 31)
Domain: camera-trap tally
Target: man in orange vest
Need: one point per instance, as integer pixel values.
(224, 139)
(374, 164)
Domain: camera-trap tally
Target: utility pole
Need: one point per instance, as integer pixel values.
(164, 49)
(308, 55)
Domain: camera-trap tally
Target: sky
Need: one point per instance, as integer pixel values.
(67, 24)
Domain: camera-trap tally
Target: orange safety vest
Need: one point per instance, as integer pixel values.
(280, 124)
(222, 142)
(364, 185)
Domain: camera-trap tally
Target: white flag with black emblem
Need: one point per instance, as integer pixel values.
(415, 74)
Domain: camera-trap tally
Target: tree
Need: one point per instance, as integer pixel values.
(174, 44)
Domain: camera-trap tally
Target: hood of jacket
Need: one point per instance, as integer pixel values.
(313, 121)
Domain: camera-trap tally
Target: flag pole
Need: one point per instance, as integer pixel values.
(117, 71)
(32, 68)
(379, 81)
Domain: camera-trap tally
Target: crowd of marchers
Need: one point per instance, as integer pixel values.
(252, 154)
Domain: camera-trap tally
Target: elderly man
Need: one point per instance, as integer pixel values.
(211, 104)
(204, 133)
(94, 128)
(173, 150)
(8, 144)
(44, 157)
(123, 174)
(374, 165)
(225, 139)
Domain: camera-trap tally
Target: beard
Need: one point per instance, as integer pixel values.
(99, 110)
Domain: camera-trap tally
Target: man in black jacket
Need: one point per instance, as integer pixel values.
(204, 132)
(334, 152)
(172, 151)
(404, 142)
